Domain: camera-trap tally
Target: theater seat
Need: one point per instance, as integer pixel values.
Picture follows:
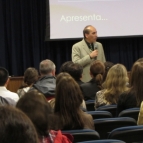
(103, 141)
(110, 108)
(105, 125)
(132, 112)
(83, 135)
(100, 114)
(128, 134)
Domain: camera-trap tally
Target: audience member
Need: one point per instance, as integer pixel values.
(75, 70)
(4, 79)
(114, 85)
(64, 66)
(67, 105)
(140, 117)
(36, 107)
(107, 65)
(7, 101)
(30, 77)
(47, 83)
(16, 127)
(90, 88)
(134, 96)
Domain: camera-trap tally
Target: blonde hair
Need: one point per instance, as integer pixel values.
(115, 83)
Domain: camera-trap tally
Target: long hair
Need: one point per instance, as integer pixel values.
(67, 102)
(16, 127)
(36, 107)
(115, 83)
(97, 70)
(136, 81)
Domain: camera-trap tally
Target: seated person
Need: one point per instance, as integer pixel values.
(75, 70)
(7, 101)
(115, 84)
(47, 83)
(30, 77)
(64, 66)
(16, 127)
(134, 96)
(90, 88)
(36, 107)
(140, 117)
(68, 98)
(4, 80)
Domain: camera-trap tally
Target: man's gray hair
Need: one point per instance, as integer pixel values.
(46, 66)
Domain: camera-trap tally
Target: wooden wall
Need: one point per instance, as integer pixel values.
(14, 83)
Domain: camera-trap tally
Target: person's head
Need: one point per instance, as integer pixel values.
(64, 66)
(74, 69)
(97, 70)
(47, 67)
(140, 60)
(4, 75)
(68, 100)
(136, 81)
(107, 65)
(16, 127)
(36, 107)
(115, 83)
(90, 34)
(30, 76)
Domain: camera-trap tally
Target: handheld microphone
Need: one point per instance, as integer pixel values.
(95, 46)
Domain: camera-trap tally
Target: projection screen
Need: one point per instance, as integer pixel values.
(110, 17)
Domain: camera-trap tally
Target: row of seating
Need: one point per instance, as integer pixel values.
(132, 112)
(128, 134)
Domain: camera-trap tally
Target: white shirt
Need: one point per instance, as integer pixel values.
(6, 93)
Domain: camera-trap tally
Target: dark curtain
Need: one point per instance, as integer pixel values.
(22, 34)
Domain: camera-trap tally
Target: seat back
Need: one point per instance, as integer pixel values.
(106, 125)
(103, 141)
(90, 105)
(110, 108)
(83, 135)
(128, 134)
(100, 114)
(132, 112)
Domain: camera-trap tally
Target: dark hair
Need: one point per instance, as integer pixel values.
(64, 66)
(75, 70)
(30, 76)
(67, 102)
(86, 30)
(3, 76)
(36, 107)
(107, 65)
(16, 127)
(136, 81)
(97, 70)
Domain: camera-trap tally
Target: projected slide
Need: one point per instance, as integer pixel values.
(110, 17)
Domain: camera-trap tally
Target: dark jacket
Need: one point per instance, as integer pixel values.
(89, 89)
(46, 85)
(126, 101)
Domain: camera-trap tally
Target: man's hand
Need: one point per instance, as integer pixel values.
(93, 54)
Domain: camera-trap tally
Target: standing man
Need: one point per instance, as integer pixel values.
(87, 50)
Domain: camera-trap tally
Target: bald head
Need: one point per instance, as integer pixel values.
(90, 34)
